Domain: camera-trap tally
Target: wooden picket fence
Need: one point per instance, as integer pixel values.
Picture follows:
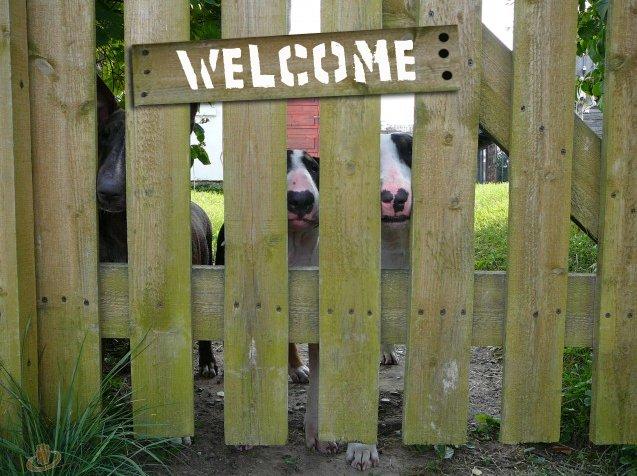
(439, 308)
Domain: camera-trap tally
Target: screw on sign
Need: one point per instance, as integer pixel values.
(44, 459)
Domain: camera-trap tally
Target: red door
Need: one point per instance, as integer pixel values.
(303, 125)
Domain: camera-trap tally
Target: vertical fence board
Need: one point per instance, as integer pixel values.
(541, 152)
(18, 314)
(256, 294)
(443, 184)
(158, 211)
(61, 38)
(614, 404)
(349, 258)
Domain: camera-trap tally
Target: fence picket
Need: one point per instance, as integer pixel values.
(61, 37)
(539, 210)
(614, 400)
(256, 291)
(159, 256)
(18, 314)
(349, 258)
(441, 303)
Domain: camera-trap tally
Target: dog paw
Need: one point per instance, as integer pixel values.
(323, 447)
(362, 457)
(243, 447)
(209, 370)
(299, 374)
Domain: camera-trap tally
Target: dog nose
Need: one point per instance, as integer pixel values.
(400, 199)
(395, 201)
(300, 203)
(108, 191)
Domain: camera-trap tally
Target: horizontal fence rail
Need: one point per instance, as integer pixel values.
(208, 307)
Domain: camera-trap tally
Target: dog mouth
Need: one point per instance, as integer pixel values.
(394, 219)
(306, 222)
(110, 207)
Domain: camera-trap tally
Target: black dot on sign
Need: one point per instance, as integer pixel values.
(444, 37)
(470, 62)
(278, 309)
(629, 315)
(446, 75)
(351, 311)
(236, 304)
(258, 305)
(21, 84)
(463, 312)
(45, 299)
(613, 195)
(443, 53)
(541, 128)
(146, 71)
(443, 312)
(86, 303)
(431, 13)
(535, 314)
(563, 151)
(607, 315)
(558, 311)
(369, 313)
(421, 312)
(63, 298)
(330, 311)
(144, 94)
(145, 52)
(522, 108)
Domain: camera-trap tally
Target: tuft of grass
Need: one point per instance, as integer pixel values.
(96, 440)
(576, 394)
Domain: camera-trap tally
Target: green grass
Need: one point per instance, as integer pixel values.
(99, 439)
(210, 198)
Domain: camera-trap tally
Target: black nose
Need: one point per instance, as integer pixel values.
(300, 203)
(108, 191)
(400, 199)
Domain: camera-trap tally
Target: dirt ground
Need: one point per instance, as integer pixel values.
(481, 455)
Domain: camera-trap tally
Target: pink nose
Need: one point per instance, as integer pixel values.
(395, 201)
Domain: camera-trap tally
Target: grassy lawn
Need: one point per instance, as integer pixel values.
(490, 228)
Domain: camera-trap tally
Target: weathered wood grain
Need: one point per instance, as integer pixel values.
(256, 292)
(495, 116)
(159, 78)
(158, 216)
(443, 186)
(539, 208)
(18, 313)
(614, 399)
(489, 305)
(61, 39)
(349, 258)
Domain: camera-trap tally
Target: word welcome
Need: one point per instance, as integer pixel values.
(318, 65)
(364, 60)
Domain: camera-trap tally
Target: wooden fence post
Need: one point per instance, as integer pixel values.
(18, 314)
(159, 245)
(256, 272)
(540, 194)
(349, 271)
(61, 37)
(442, 262)
(614, 401)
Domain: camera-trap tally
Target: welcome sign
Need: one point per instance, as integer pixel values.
(401, 60)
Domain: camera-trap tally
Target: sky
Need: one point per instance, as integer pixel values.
(497, 15)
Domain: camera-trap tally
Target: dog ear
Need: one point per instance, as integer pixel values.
(194, 107)
(106, 102)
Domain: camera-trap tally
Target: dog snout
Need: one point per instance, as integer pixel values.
(300, 203)
(109, 191)
(395, 201)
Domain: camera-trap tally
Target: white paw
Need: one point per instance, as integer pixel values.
(299, 374)
(184, 440)
(362, 457)
(388, 357)
(312, 441)
(243, 447)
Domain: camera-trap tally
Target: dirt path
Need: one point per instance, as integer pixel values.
(482, 455)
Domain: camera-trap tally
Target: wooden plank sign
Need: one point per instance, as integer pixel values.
(400, 60)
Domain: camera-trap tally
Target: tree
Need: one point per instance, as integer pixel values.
(591, 37)
(205, 24)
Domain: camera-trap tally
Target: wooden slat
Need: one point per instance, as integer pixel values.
(443, 186)
(61, 36)
(614, 401)
(159, 77)
(541, 152)
(256, 295)
(495, 115)
(349, 258)
(158, 212)
(18, 316)
(489, 305)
